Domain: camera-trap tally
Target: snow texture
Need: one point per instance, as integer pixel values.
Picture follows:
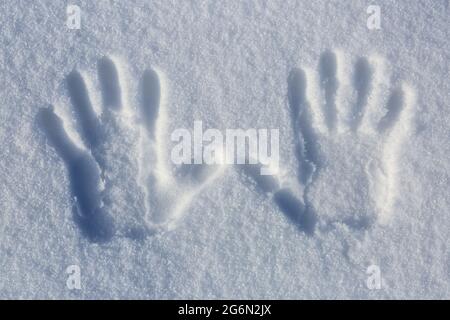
(85, 166)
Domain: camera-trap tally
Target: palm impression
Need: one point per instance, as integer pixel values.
(122, 166)
(348, 128)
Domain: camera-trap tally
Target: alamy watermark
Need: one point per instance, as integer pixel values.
(374, 18)
(234, 146)
(374, 280)
(73, 19)
(73, 281)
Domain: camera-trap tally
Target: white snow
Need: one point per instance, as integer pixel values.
(375, 195)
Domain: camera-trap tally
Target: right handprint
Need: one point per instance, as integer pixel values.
(348, 131)
(349, 123)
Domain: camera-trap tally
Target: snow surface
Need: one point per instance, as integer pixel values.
(372, 198)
